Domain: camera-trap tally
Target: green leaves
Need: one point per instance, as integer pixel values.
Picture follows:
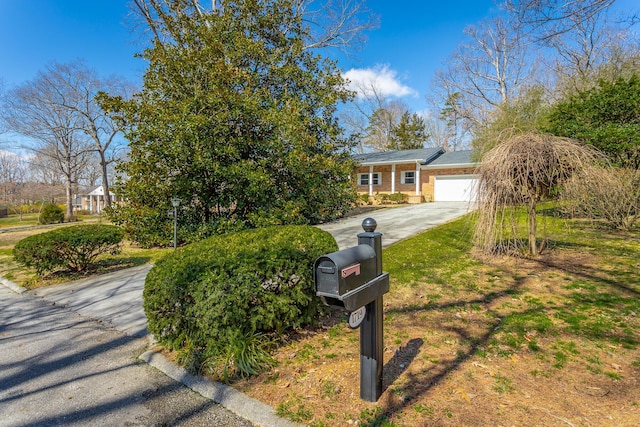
(74, 248)
(409, 134)
(227, 296)
(51, 214)
(607, 117)
(237, 120)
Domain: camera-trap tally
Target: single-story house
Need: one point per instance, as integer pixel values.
(424, 175)
(92, 201)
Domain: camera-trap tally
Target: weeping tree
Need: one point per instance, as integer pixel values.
(522, 172)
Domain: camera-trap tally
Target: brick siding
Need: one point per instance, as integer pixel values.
(427, 180)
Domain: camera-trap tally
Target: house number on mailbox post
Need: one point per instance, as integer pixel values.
(353, 279)
(355, 318)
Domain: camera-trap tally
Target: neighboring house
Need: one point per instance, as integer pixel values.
(93, 201)
(424, 175)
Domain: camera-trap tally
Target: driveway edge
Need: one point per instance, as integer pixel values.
(14, 287)
(239, 403)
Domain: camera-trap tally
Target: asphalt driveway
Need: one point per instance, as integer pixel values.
(45, 348)
(116, 298)
(396, 223)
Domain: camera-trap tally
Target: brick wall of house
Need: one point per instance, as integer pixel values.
(427, 180)
(385, 186)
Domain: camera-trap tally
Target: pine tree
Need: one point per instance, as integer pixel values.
(409, 134)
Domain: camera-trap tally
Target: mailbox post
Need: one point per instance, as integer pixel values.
(371, 330)
(353, 279)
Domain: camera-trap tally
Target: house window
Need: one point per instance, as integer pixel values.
(408, 177)
(363, 178)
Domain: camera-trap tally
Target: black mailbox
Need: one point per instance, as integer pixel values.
(353, 279)
(349, 278)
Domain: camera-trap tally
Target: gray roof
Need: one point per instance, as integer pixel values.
(454, 158)
(422, 155)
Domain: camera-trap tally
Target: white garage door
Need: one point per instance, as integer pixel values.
(455, 188)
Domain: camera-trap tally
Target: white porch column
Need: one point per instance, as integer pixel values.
(371, 180)
(417, 178)
(90, 204)
(393, 178)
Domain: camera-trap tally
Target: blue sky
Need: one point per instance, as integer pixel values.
(411, 42)
(414, 38)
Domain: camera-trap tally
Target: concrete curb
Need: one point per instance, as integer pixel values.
(240, 404)
(9, 284)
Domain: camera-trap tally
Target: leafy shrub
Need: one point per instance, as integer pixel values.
(220, 302)
(73, 248)
(145, 226)
(364, 199)
(51, 214)
(395, 198)
(612, 194)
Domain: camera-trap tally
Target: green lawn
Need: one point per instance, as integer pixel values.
(14, 220)
(471, 340)
(32, 219)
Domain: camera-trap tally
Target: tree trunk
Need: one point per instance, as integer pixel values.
(69, 188)
(533, 247)
(105, 180)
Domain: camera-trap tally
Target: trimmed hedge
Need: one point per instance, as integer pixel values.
(74, 248)
(221, 301)
(51, 214)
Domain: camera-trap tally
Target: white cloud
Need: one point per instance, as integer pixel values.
(380, 79)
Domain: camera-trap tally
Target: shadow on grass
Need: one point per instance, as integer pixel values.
(602, 290)
(400, 362)
(595, 275)
(417, 384)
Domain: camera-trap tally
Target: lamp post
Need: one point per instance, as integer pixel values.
(175, 202)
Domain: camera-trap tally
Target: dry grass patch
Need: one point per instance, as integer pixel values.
(548, 341)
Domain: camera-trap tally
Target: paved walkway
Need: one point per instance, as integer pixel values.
(115, 299)
(47, 344)
(58, 367)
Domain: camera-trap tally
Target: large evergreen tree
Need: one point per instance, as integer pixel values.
(606, 116)
(236, 118)
(409, 134)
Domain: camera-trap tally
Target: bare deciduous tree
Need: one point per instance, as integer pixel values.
(82, 86)
(439, 133)
(551, 18)
(485, 71)
(13, 176)
(371, 116)
(339, 24)
(382, 123)
(37, 110)
(582, 36)
(521, 172)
